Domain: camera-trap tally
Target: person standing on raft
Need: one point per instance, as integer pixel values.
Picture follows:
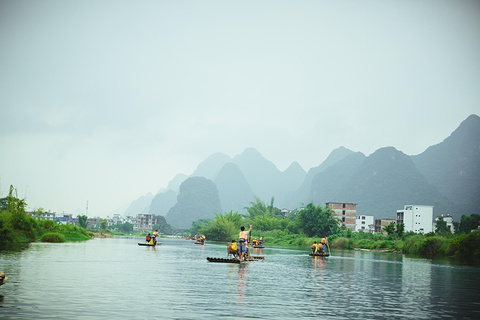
(242, 237)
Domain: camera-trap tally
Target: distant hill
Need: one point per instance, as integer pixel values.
(386, 181)
(303, 192)
(328, 185)
(446, 175)
(262, 175)
(453, 167)
(141, 205)
(162, 202)
(198, 199)
(210, 167)
(234, 191)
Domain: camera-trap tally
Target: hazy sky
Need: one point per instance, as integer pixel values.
(105, 101)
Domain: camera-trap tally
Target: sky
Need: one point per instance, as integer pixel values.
(102, 102)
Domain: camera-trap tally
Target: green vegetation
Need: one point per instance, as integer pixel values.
(16, 226)
(308, 224)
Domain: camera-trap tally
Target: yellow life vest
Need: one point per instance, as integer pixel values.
(234, 246)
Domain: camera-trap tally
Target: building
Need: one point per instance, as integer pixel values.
(383, 222)
(365, 224)
(145, 222)
(346, 212)
(416, 218)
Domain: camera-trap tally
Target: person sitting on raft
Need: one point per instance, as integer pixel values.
(314, 247)
(243, 236)
(2, 278)
(147, 239)
(232, 249)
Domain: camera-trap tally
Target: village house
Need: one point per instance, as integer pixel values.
(346, 213)
(416, 218)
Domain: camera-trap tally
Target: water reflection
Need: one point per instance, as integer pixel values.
(318, 263)
(288, 284)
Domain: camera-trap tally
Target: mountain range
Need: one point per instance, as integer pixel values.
(446, 175)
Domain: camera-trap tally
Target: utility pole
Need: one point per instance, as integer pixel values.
(86, 210)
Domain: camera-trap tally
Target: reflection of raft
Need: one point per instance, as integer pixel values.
(148, 244)
(318, 254)
(252, 258)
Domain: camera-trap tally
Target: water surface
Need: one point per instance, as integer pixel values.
(117, 279)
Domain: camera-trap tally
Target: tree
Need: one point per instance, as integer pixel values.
(224, 226)
(258, 208)
(316, 221)
(126, 227)
(469, 223)
(162, 226)
(441, 227)
(39, 213)
(197, 225)
(103, 224)
(400, 230)
(390, 229)
(82, 221)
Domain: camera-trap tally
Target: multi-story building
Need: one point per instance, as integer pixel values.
(346, 212)
(145, 222)
(416, 218)
(383, 222)
(365, 224)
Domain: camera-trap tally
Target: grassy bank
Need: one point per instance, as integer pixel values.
(463, 247)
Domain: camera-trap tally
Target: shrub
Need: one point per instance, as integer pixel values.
(53, 237)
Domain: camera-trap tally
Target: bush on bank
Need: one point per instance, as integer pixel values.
(16, 226)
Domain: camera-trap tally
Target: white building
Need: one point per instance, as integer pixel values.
(365, 224)
(416, 218)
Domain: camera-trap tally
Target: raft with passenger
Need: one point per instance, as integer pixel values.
(234, 260)
(318, 254)
(149, 244)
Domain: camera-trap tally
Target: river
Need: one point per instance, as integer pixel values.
(117, 279)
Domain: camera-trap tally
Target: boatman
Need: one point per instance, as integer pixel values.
(323, 244)
(242, 238)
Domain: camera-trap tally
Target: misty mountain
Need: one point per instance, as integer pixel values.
(175, 183)
(197, 199)
(262, 175)
(162, 202)
(386, 181)
(327, 185)
(301, 194)
(234, 191)
(446, 175)
(293, 177)
(453, 166)
(141, 205)
(210, 167)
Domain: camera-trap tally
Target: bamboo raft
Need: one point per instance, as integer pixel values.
(149, 245)
(258, 247)
(233, 260)
(318, 254)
